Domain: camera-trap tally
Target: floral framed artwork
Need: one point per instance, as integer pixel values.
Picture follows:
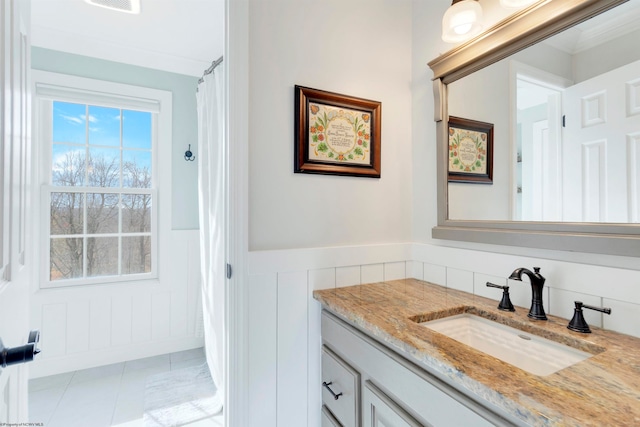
(470, 151)
(336, 134)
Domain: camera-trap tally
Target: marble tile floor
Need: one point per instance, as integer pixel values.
(180, 397)
(111, 395)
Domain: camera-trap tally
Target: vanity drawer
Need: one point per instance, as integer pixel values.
(344, 382)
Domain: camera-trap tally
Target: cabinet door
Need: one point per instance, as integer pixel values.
(378, 410)
(328, 420)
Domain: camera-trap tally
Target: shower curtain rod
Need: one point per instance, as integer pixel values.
(209, 70)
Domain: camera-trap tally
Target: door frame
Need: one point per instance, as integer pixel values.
(237, 139)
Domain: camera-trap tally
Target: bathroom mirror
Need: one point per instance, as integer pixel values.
(557, 184)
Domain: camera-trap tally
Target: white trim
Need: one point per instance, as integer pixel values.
(75, 362)
(611, 29)
(522, 71)
(278, 261)
(236, 369)
(118, 92)
(85, 96)
(5, 146)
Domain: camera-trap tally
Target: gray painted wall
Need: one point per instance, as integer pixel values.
(185, 131)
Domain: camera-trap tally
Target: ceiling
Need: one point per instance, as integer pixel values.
(181, 36)
(605, 27)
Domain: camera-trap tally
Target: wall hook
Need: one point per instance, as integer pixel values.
(188, 155)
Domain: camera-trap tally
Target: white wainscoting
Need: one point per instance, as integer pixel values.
(284, 320)
(87, 326)
(284, 323)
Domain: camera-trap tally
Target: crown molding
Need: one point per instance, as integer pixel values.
(96, 48)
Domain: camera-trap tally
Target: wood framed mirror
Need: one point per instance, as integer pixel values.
(469, 213)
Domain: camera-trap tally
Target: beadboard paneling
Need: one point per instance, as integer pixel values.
(87, 326)
(284, 325)
(292, 364)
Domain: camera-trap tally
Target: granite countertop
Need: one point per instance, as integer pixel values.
(601, 390)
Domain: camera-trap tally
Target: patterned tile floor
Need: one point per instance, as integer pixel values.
(111, 395)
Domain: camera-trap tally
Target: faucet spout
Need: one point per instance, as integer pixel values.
(537, 283)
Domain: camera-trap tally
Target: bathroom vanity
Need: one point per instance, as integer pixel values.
(382, 366)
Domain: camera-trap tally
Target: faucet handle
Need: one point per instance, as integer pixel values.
(577, 323)
(505, 303)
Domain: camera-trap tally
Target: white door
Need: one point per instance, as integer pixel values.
(538, 167)
(15, 159)
(601, 142)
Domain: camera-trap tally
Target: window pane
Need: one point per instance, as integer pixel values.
(136, 171)
(68, 165)
(69, 122)
(104, 126)
(66, 213)
(136, 213)
(104, 167)
(102, 256)
(102, 213)
(136, 129)
(136, 254)
(66, 259)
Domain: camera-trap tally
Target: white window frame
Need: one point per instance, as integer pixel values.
(49, 87)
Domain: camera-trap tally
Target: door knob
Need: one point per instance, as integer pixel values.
(21, 354)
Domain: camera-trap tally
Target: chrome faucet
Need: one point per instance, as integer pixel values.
(537, 282)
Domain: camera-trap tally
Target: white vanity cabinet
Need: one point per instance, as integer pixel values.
(378, 410)
(328, 420)
(340, 389)
(390, 391)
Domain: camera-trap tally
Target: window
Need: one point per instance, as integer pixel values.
(101, 192)
(100, 187)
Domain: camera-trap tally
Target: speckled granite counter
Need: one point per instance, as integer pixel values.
(600, 391)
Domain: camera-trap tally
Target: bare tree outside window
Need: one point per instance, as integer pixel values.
(98, 228)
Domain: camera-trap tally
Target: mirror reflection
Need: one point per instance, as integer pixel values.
(566, 116)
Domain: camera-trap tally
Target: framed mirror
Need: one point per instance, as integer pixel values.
(560, 83)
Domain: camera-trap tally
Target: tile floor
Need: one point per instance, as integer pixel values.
(111, 395)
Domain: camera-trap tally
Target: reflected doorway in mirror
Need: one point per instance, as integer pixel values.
(470, 151)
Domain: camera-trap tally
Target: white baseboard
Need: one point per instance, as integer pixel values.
(92, 359)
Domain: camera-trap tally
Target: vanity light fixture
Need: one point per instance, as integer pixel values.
(126, 6)
(516, 4)
(461, 21)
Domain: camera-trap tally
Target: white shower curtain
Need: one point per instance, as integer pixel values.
(211, 159)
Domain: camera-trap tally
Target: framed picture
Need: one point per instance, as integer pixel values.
(470, 151)
(336, 134)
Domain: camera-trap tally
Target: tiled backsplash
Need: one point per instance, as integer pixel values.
(618, 289)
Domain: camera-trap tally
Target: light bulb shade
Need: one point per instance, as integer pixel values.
(461, 21)
(515, 4)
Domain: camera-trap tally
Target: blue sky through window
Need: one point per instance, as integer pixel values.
(69, 122)
(136, 129)
(80, 124)
(104, 126)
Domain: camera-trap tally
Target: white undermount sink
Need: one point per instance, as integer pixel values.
(528, 352)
